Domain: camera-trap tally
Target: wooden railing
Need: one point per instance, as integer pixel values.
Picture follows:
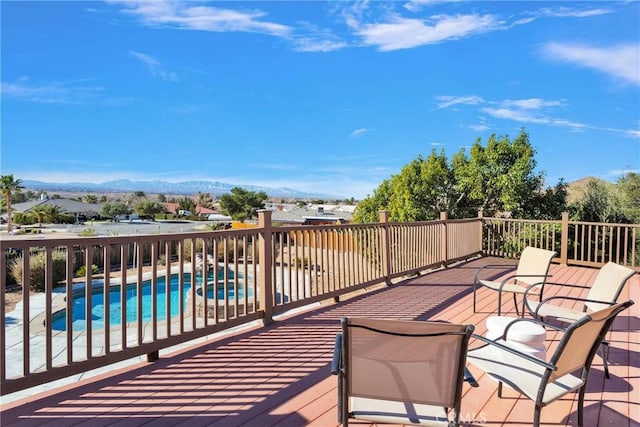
(222, 279)
(576, 242)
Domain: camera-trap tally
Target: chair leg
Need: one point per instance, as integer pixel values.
(474, 297)
(581, 405)
(500, 389)
(536, 415)
(605, 358)
(515, 304)
(499, 302)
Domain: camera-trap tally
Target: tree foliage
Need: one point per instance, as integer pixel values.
(9, 186)
(600, 203)
(242, 204)
(148, 208)
(110, 210)
(186, 204)
(204, 200)
(629, 192)
(498, 178)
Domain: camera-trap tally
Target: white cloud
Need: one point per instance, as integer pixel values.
(57, 92)
(479, 127)
(154, 66)
(567, 12)
(310, 44)
(185, 15)
(358, 132)
(449, 101)
(417, 5)
(404, 33)
(532, 103)
(621, 62)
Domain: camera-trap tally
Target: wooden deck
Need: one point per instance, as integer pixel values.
(279, 375)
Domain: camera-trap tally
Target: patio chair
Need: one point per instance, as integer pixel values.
(604, 291)
(406, 372)
(546, 381)
(533, 267)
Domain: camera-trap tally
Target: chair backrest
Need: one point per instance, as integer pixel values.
(608, 285)
(533, 264)
(582, 338)
(405, 361)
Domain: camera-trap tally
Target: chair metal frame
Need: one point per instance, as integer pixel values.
(493, 358)
(342, 368)
(611, 271)
(512, 282)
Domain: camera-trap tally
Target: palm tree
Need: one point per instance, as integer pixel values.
(39, 212)
(9, 185)
(52, 213)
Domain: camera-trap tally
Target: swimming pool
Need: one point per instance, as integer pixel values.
(99, 312)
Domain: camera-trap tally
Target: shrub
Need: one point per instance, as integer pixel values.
(88, 232)
(37, 269)
(82, 271)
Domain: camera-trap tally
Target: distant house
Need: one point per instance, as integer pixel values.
(71, 207)
(286, 213)
(174, 208)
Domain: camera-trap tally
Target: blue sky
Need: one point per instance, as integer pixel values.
(325, 97)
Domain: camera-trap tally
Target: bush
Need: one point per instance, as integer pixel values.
(82, 271)
(88, 232)
(37, 269)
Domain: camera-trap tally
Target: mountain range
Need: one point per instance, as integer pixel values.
(164, 187)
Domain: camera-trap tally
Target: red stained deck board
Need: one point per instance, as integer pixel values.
(279, 375)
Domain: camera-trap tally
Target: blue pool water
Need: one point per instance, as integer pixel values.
(98, 310)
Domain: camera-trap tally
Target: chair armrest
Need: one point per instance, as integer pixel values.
(516, 276)
(337, 355)
(542, 285)
(534, 321)
(566, 298)
(516, 352)
(505, 266)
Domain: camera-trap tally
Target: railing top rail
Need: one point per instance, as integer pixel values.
(606, 224)
(99, 240)
(545, 221)
(289, 227)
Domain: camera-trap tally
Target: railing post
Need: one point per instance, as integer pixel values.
(481, 228)
(386, 251)
(564, 238)
(443, 239)
(265, 264)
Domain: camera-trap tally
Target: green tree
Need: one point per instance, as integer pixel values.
(90, 198)
(52, 213)
(38, 212)
(368, 210)
(9, 186)
(600, 203)
(148, 208)
(110, 210)
(422, 190)
(162, 198)
(242, 204)
(204, 200)
(629, 191)
(186, 204)
(499, 177)
(549, 204)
